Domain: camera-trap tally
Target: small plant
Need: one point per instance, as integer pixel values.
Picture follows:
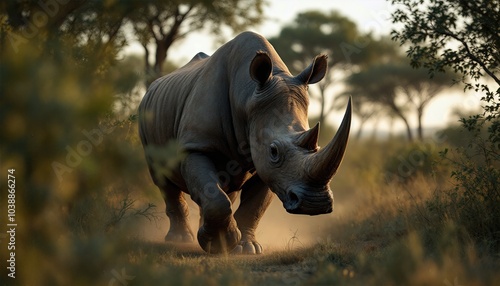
(126, 210)
(291, 242)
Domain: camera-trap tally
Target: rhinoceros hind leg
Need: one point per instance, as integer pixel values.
(255, 198)
(177, 211)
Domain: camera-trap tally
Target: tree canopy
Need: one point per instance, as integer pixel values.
(98, 27)
(165, 22)
(331, 33)
(459, 34)
(398, 88)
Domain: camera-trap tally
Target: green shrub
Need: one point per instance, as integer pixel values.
(408, 162)
(474, 201)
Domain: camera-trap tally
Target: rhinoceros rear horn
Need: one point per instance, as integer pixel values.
(324, 164)
(261, 68)
(309, 139)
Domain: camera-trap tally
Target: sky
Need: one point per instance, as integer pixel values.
(370, 16)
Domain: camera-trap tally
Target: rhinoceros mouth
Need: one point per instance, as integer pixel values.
(309, 202)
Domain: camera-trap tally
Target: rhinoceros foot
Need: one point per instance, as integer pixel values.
(247, 247)
(179, 235)
(219, 240)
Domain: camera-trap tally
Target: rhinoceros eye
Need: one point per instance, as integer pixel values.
(274, 153)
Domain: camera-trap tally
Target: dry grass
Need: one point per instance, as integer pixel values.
(380, 233)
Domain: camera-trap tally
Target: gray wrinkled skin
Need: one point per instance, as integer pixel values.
(241, 118)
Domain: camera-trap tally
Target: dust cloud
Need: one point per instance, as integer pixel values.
(277, 230)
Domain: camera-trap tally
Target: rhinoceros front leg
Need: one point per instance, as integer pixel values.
(232, 197)
(219, 232)
(255, 198)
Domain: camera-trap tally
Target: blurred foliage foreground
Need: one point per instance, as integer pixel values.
(77, 162)
(82, 184)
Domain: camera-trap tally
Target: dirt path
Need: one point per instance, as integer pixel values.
(274, 267)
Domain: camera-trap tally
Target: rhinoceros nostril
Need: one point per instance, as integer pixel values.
(299, 201)
(293, 199)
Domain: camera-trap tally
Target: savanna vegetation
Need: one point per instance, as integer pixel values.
(407, 212)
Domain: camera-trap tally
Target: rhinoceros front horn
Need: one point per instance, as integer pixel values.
(324, 164)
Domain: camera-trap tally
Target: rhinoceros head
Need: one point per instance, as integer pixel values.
(284, 150)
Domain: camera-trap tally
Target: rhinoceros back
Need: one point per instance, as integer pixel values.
(202, 105)
(162, 107)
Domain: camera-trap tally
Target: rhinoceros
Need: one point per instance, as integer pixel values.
(240, 118)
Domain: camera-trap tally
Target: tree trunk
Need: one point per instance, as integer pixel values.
(408, 128)
(360, 130)
(400, 114)
(160, 57)
(420, 113)
(148, 73)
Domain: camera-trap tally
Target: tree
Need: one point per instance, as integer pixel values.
(399, 88)
(419, 90)
(165, 22)
(378, 84)
(365, 111)
(96, 27)
(88, 29)
(59, 135)
(315, 32)
(464, 36)
(458, 34)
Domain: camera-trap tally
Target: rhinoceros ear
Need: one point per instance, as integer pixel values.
(261, 68)
(315, 71)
